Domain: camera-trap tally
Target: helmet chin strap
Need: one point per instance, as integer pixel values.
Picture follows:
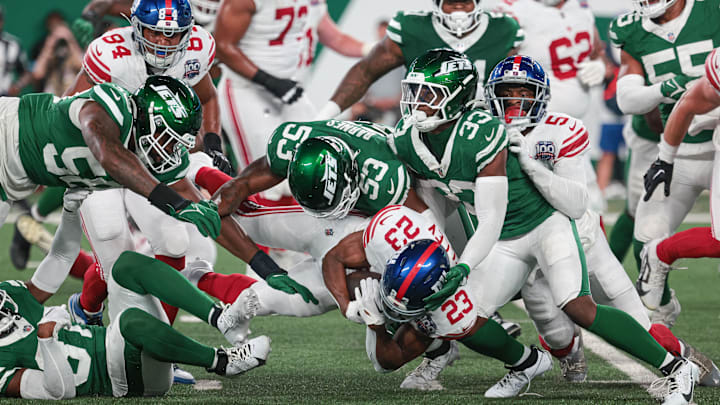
(459, 21)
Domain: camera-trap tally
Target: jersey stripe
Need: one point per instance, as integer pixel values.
(499, 142)
(212, 51)
(110, 103)
(578, 145)
(93, 65)
(370, 229)
(413, 272)
(402, 188)
(394, 37)
(711, 70)
(240, 136)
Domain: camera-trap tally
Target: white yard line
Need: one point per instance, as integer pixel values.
(635, 371)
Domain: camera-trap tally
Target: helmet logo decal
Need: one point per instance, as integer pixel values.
(172, 101)
(453, 65)
(330, 178)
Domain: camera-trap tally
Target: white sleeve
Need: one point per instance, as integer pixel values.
(564, 187)
(54, 268)
(55, 381)
(491, 199)
(370, 348)
(634, 97)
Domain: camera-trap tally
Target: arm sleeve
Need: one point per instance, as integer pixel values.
(565, 187)
(56, 381)
(491, 199)
(54, 268)
(633, 97)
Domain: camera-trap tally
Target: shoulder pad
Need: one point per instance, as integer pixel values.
(622, 27)
(115, 100)
(107, 56)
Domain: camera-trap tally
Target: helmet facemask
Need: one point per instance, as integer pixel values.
(8, 314)
(397, 310)
(417, 92)
(652, 10)
(161, 56)
(162, 148)
(528, 112)
(457, 22)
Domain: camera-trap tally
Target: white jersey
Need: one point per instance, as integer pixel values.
(389, 231)
(274, 39)
(318, 9)
(559, 39)
(114, 57)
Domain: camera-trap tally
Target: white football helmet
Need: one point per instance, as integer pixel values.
(551, 3)
(652, 9)
(457, 22)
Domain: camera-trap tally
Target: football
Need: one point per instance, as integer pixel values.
(353, 280)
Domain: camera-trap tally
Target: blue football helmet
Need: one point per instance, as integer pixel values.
(516, 71)
(170, 17)
(414, 273)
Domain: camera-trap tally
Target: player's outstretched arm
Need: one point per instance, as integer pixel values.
(384, 57)
(347, 254)
(253, 179)
(388, 352)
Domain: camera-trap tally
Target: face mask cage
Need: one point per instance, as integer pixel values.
(156, 55)
(154, 147)
(396, 311)
(457, 22)
(533, 109)
(416, 94)
(7, 315)
(348, 199)
(646, 8)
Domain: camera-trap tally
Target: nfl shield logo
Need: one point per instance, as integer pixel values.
(192, 68)
(27, 328)
(671, 36)
(329, 232)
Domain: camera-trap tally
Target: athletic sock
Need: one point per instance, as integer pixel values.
(178, 263)
(559, 353)
(50, 200)
(692, 243)
(492, 340)
(145, 275)
(665, 338)
(81, 264)
(622, 331)
(94, 289)
(225, 287)
(621, 236)
(161, 342)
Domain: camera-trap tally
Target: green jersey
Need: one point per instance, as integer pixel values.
(493, 39)
(52, 149)
(465, 149)
(383, 178)
(84, 345)
(677, 47)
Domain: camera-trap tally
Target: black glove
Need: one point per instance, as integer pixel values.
(659, 172)
(289, 91)
(213, 148)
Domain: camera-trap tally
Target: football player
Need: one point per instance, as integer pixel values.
(662, 51)
(658, 255)
(550, 151)
(129, 358)
(516, 227)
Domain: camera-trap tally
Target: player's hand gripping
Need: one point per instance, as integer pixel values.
(518, 146)
(202, 214)
(289, 91)
(213, 148)
(674, 88)
(283, 282)
(453, 279)
(659, 172)
(367, 296)
(73, 199)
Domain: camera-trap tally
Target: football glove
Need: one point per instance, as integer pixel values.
(289, 91)
(283, 282)
(659, 172)
(83, 30)
(367, 296)
(73, 198)
(675, 87)
(59, 315)
(352, 313)
(213, 148)
(518, 146)
(453, 279)
(202, 214)
(591, 72)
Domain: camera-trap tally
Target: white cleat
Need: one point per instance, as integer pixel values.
(653, 273)
(34, 232)
(709, 373)
(679, 386)
(244, 358)
(512, 384)
(667, 314)
(425, 376)
(234, 321)
(574, 366)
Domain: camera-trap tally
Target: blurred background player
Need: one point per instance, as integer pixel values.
(14, 73)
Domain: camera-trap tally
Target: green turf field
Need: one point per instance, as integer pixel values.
(322, 359)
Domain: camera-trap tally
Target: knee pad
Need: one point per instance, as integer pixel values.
(173, 241)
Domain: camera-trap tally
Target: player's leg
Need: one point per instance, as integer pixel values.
(4, 211)
(29, 229)
(200, 247)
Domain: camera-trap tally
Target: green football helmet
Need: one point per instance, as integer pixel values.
(168, 118)
(442, 79)
(8, 314)
(323, 177)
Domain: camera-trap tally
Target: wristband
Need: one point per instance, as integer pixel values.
(262, 78)
(165, 198)
(466, 268)
(264, 265)
(212, 142)
(666, 152)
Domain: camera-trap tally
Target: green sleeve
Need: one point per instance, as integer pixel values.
(282, 144)
(513, 29)
(620, 29)
(6, 375)
(118, 104)
(487, 134)
(394, 29)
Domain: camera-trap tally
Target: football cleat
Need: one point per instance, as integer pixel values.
(574, 366)
(512, 384)
(709, 373)
(80, 316)
(513, 329)
(678, 387)
(181, 376)
(653, 273)
(240, 359)
(234, 321)
(667, 314)
(425, 376)
(19, 250)
(28, 232)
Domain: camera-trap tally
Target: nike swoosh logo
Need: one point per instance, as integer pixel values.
(490, 137)
(392, 187)
(573, 126)
(659, 173)
(99, 52)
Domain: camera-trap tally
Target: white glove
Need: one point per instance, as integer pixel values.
(367, 297)
(352, 313)
(59, 315)
(519, 147)
(330, 110)
(591, 72)
(73, 198)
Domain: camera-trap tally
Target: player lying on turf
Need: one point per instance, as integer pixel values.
(131, 357)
